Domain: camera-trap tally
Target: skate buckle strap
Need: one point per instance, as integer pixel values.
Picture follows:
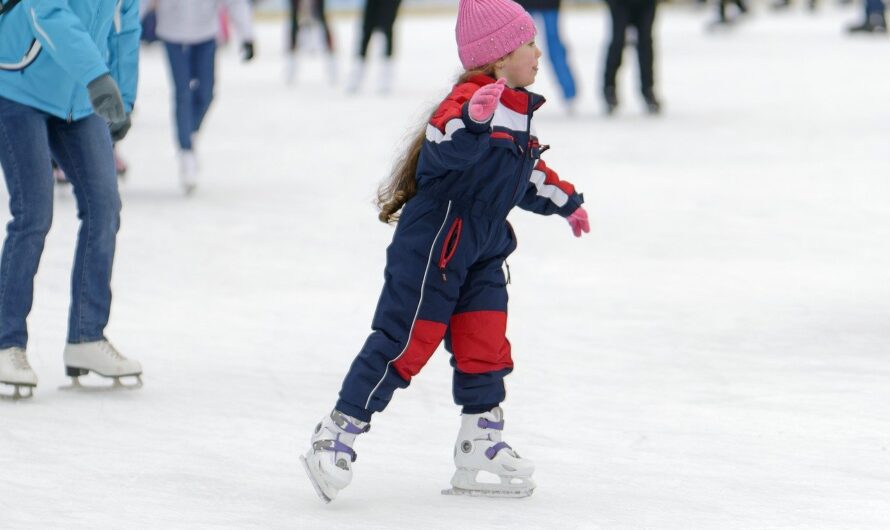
(347, 426)
(335, 446)
(492, 451)
(484, 423)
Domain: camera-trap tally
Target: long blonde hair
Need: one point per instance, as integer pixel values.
(402, 182)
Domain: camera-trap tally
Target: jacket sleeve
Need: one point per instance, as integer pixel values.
(123, 49)
(242, 17)
(62, 35)
(454, 141)
(546, 194)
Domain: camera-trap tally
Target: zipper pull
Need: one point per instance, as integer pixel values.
(444, 278)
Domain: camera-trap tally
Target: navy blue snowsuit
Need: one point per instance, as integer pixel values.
(444, 277)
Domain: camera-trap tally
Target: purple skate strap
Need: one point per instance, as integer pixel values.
(348, 426)
(352, 429)
(492, 451)
(487, 424)
(335, 446)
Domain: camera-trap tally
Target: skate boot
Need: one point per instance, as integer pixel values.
(328, 463)
(653, 106)
(875, 23)
(355, 76)
(188, 171)
(479, 449)
(611, 97)
(101, 358)
(15, 371)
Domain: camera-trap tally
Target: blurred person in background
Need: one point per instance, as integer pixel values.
(68, 77)
(317, 16)
(722, 18)
(189, 31)
(546, 12)
(378, 15)
(874, 19)
(639, 14)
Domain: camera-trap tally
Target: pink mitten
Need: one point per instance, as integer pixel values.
(578, 221)
(485, 101)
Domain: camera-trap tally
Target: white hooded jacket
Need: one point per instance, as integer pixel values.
(194, 21)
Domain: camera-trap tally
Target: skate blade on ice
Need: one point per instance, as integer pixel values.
(76, 385)
(17, 392)
(465, 482)
(505, 493)
(316, 481)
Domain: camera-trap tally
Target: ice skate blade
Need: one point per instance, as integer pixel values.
(314, 480)
(17, 392)
(496, 493)
(115, 386)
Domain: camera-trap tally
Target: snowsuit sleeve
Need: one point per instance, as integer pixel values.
(546, 194)
(62, 35)
(453, 140)
(123, 49)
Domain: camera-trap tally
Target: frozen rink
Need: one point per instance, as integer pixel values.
(714, 355)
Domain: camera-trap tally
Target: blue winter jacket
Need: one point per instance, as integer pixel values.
(51, 49)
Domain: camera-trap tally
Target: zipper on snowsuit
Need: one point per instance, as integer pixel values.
(452, 239)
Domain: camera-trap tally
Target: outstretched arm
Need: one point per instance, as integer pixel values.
(458, 133)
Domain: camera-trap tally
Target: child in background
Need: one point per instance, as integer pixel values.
(476, 158)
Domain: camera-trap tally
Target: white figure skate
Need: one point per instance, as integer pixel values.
(15, 371)
(188, 170)
(101, 358)
(479, 450)
(328, 463)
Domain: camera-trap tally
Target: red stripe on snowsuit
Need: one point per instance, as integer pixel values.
(452, 107)
(479, 342)
(425, 338)
(551, 178)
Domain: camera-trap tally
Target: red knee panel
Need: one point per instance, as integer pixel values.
(479, 341)
(425, 338)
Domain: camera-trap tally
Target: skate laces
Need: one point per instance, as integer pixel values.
(19, 360)
(112, 352)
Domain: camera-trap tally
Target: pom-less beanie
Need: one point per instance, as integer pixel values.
(490, 29)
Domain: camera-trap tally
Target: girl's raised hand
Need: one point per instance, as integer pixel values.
(579, 222)
(485, 101)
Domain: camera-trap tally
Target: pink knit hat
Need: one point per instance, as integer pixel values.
(490, 29)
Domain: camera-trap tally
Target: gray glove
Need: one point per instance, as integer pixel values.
(106, 100)
(119, 131)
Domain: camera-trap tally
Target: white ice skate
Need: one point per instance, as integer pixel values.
(387, 72)
(15, 371)
(354, 82)
(329, 461)
(480, 454)
(101, 358)
(188, 171)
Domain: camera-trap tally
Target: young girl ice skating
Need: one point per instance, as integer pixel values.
(477, 159)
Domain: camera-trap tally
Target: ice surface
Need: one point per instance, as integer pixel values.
(712, 355)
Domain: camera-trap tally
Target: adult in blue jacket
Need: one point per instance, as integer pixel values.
(68, 71)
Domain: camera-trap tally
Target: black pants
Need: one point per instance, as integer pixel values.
(641, 15)
(721, 8)
(380, 15)
(317, 8)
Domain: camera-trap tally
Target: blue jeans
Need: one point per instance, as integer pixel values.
(29, 139)
(192, 66)
(556, 51)
(874, 7)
